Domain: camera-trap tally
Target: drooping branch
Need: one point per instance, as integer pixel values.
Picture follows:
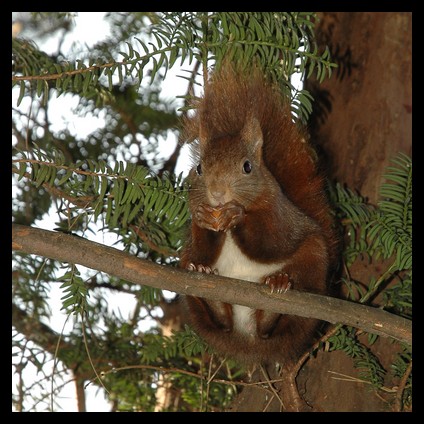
(39, 333)
(77, 250)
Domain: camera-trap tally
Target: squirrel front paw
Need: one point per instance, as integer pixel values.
(220, 218)
(279, 282)
(201, 268)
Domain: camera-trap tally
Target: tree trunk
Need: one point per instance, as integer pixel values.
(363, 116)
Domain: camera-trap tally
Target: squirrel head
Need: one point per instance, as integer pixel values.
(230, 167)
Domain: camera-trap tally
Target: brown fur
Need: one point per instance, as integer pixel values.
(287, 215)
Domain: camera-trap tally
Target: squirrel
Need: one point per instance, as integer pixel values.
(259, 213)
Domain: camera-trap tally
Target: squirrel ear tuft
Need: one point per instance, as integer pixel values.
(252, 134)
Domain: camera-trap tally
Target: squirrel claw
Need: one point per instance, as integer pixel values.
(201, 268)
(279, 282)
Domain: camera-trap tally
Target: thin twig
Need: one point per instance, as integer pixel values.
(352, 379)
(401, 388)
(271, 386)
(80, 201)
(150, 244)
(55, 361)
(103, 374)
(89, 356)
(48, 77)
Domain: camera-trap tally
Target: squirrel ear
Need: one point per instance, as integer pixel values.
(252, 135)
(203, 135)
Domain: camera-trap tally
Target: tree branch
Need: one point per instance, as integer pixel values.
(77, 250)
(87, 69)
(39, 333)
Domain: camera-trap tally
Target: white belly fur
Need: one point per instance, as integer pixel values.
(233, 263)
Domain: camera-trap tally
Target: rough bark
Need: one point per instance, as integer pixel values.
(363, 113)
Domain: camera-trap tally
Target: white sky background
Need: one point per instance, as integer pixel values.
(91, 27)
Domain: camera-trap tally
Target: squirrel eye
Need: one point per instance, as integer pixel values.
(199, 169)
(247, 167)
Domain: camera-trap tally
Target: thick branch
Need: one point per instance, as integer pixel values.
(66, 248)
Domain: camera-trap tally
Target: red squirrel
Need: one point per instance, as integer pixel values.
(259, 213)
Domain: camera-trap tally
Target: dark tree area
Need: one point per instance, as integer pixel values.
(362, 118)
(363, 114)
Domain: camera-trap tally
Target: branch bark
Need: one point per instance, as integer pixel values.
(77, 250)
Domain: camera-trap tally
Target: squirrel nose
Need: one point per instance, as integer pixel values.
(218, 195)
